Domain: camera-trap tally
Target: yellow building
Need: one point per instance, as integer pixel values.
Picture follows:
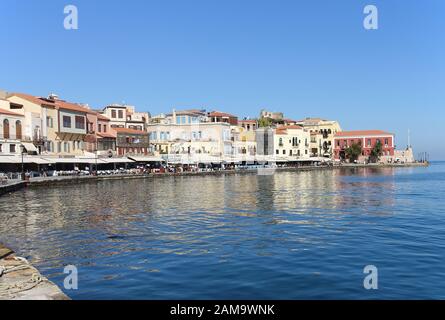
(56, 127)
(39, 119)
(244, 138)
(322, 134)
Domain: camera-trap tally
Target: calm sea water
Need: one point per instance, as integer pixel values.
(293, 235)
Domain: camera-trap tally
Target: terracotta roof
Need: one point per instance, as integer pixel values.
(188, 112)
(362, 133)
(72, 107)
(105, 135)
(10, 113)
(220, 114)
(250, 121)
(102, 117)
(127, 130)
(33, 99)
(291, 127)
(56, 103)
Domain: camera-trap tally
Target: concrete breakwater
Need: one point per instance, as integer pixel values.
(19, 280)
(61, 180)
(11, 187)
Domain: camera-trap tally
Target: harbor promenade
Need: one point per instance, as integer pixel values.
(15, 185)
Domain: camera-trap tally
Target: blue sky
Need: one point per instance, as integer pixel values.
(305, 58)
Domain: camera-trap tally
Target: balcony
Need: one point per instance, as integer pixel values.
(37, 140)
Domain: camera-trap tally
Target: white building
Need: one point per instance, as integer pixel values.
(189, 132)
(11, 130)
(292, 142)
(125, 116)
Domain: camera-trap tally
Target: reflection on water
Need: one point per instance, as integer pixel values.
(290, 235)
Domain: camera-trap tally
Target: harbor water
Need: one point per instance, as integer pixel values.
(290, 235)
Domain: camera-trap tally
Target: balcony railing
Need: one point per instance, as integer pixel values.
(23, 138)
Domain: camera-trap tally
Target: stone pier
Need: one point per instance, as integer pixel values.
(21, 281)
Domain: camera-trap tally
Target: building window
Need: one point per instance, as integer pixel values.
(113, 114)
(49, 122)
(18, 130)
(6, 129)
(386, 142)
(195, 120)
(99, 127)
(14, 106)
(80, 122)
(105, 128)
(284, 151)
(369, 142)
(66, 122)
(12, 148)
(278, 151)
(66, 147)
(1, 148)
(120, 114)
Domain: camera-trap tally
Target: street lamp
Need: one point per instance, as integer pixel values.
(22, 151)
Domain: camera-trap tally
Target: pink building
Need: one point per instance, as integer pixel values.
(101, 138)
(367, 139)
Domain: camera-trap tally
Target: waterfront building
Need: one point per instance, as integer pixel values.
(106, 137)
(243, 141)
(367, 139)
(57, 127)
(292, 142)
(11, 131)
(404, 156)
(248, 124)
(222, 117)
(265, 141)
(125, 116)
(131, 142)
(322, 135)
(190, 132)
(101, 138)
(72, 128)
(40, 120)
(201, 138)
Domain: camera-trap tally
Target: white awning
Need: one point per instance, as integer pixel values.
(117, 160)
(37, 160)
(29, 147)
(146, 159)
(4, 159)
(79, 160)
